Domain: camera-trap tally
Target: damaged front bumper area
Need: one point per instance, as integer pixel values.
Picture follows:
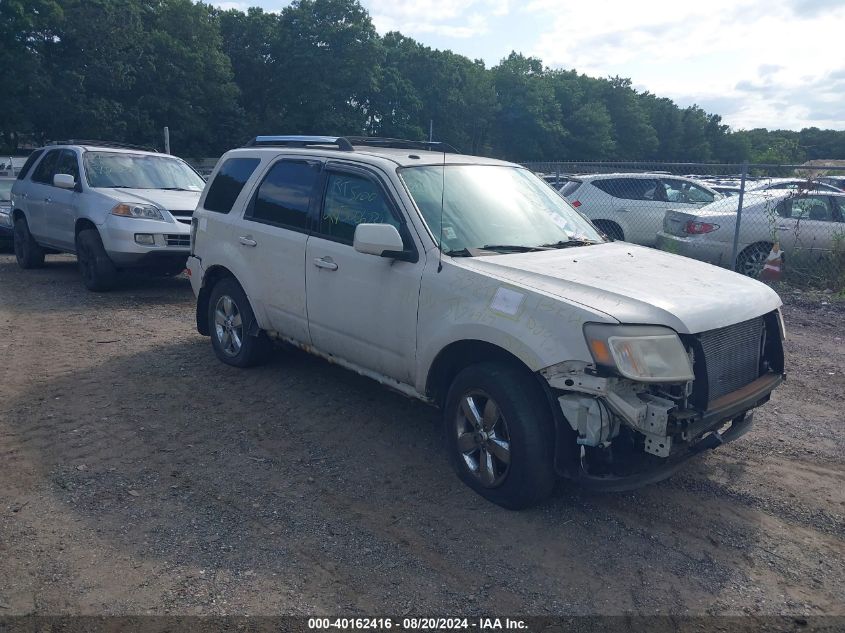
(629, 434)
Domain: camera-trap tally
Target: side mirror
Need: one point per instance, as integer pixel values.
(377, 239)
(64, 181)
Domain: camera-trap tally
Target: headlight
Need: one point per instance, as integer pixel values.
(645, 353)
(132, 210)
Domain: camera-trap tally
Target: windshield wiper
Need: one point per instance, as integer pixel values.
(569, 243)
(176, 189)
(513, 248)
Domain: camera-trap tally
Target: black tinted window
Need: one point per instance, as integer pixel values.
(285, 193)
(68, 165)
(47, 167)
(630, 188)
(350, 201)
(228, 183)
(30, 161)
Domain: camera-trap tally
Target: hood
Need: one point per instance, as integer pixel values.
(170, 200)
(634, 284)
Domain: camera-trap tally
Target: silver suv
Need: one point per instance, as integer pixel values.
(469, 283)
(113, 206)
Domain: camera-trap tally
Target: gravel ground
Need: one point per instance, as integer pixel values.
(142, 476)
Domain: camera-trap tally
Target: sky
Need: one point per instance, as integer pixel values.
(777, 64)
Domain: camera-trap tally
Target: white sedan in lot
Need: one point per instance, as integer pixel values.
(805, 222)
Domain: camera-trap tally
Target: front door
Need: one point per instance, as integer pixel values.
(361, 308)
(807, 223)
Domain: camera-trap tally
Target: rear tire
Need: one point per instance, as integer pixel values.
(500, 434)
(611, 229)
(230, 318)
(97, 269)
(751, 260)
(27, 251)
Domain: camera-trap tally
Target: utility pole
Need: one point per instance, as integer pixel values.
(166, 140)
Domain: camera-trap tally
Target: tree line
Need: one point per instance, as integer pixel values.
(123, 69)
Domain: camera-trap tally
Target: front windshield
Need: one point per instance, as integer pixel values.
(6, 190)
(493, 206)
(140, 171)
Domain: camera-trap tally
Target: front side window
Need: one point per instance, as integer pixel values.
(501, 207)
(284, 195)
(352, 200)
(67, 164)
(228, 183)
(121, 170)
(47, 167)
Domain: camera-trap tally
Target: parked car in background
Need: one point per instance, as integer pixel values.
(114, 207)
(809, 222)
(470, 284)
(834, 181)
(6, 210)
(792, 184)
(631, 207)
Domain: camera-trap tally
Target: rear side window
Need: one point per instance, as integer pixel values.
(30, 161)
(228, 183)
(47, 167)
(570, 188)
(630, 188)
(285, 194)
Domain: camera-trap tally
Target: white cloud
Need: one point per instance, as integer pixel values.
(763, 58)
(447, 18)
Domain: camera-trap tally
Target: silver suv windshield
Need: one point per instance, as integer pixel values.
(140, 171)
(493, 208)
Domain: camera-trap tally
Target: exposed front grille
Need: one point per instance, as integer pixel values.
(732, 356)
(178, 240)
(183, 216)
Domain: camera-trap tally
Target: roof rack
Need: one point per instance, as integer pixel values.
(400, 143)
(113, 144)
(347, 143)
(300, 141)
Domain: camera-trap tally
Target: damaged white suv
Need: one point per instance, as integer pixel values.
(468, 283)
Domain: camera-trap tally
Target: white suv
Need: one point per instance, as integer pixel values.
(631, 207)
(550, 351)
(113, 207)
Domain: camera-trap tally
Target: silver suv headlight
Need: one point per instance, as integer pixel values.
(133, 210)
(645, 353)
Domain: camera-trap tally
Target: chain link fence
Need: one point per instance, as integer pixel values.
(765, 221)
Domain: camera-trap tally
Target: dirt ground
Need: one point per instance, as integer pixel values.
(139, 475)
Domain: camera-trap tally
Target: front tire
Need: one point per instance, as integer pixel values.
(97, 269)
(500, 434)
(27, 251)
(230, 318)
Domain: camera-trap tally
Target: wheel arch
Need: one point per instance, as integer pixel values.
(458, 355)
(211, 277)
(83, 224)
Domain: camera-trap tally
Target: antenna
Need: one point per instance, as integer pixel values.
(442, 204)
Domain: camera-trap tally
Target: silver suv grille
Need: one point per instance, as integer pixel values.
(732, 356)
(183, 216)
(178, 240)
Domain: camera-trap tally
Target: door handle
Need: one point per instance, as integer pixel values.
(783, 228)
(325, 262)
(622, 210)
(48, 199)
(246, 240)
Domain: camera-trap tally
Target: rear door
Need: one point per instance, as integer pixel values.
(811, 222)
(270, 245)
(361, 308)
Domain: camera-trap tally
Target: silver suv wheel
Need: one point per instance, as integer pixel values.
(228, 325)
(483, 438)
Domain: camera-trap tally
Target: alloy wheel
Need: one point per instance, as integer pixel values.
(484, 441)
(228, 325)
